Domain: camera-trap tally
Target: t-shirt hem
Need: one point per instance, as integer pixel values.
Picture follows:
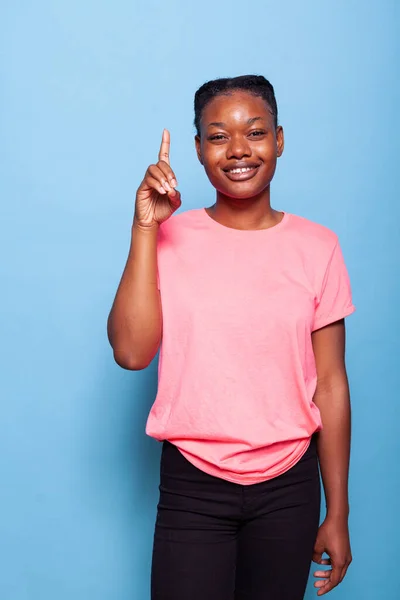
(322, 322)
(244, 479)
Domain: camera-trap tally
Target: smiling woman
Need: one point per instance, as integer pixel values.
(247, 306)
(238, 140)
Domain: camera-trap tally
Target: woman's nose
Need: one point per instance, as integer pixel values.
(238, 147)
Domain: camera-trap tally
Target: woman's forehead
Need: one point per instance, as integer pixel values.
(237, 106)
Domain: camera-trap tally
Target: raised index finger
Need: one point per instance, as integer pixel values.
(164, 149)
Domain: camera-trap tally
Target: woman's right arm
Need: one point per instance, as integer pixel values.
(134, 324)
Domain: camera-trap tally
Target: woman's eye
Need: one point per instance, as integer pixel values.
(219, 136)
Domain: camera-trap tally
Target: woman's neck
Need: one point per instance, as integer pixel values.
(245, 213)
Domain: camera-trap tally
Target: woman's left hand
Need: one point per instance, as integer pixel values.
(332, 538)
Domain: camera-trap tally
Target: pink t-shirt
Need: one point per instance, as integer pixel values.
(236, 373)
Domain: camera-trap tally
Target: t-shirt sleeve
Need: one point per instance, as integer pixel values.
(335, 297)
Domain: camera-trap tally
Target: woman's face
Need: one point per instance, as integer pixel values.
(238, 132)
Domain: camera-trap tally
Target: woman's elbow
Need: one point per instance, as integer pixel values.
(129, 362)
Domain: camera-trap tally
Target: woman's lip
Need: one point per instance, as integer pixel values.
(244, 176)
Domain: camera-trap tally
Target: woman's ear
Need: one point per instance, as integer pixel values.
(198, 147)
(280, 140)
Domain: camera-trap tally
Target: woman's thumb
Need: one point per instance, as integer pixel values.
(175, 198)
(318, 551)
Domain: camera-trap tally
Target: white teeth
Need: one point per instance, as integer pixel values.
(243, 170)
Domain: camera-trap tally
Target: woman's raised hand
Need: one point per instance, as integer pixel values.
(156, 198)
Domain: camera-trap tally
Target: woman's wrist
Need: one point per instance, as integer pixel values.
(136, 226)
(338, 513)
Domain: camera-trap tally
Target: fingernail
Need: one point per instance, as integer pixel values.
(161, 190)
(166, 184)
(174, 182)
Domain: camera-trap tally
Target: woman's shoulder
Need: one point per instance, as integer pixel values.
(181, 218)
(312, 232)
(177, 230)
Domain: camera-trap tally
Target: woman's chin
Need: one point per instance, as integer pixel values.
(240, 190)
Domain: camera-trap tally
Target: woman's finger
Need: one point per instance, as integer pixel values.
(155, 172)
(154, 184)
(320, 584)
(333, 581)
(175, 198)
(324, 574)
(164, 148)
(168, 172)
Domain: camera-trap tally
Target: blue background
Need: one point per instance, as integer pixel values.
(85, 91)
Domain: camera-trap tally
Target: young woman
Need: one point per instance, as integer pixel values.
(248, 304)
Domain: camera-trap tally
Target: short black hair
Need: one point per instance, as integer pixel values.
(253, 84)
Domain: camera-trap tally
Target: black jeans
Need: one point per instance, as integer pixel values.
(218, 540)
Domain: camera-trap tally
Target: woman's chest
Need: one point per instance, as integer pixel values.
(265, 292)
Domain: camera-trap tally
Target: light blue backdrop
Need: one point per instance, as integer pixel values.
(86, 89)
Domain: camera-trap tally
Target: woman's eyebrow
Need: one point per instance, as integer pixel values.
(221, 124)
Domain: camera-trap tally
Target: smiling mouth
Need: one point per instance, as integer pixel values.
(241, 174)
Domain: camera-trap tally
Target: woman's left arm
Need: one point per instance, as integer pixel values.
(332, 397)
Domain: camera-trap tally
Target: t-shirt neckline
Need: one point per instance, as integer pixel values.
(233, 231)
